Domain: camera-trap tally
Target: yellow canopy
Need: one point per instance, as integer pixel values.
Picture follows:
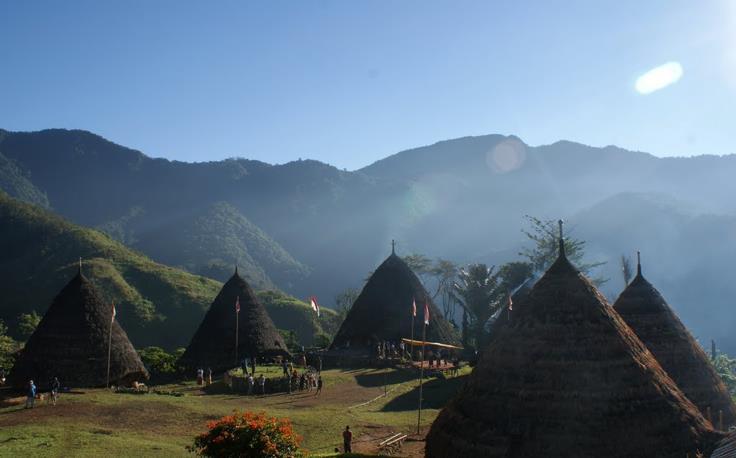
(419, 343)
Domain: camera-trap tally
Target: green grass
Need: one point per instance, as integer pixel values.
(99, 423)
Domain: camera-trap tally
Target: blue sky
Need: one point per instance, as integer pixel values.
(350, 82)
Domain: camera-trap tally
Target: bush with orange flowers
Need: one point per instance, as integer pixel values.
(248, 434)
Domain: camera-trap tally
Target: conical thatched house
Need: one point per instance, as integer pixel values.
(213, 345)
(657, 325)
(71, 343)
(382, 311)
(568, 378)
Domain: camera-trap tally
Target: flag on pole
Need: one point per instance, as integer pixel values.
(426, 313)
(113, 313)
(413, 307)
(314, 304)
(237, 304)
(511, 303)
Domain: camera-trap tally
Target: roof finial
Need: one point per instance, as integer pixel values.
(562, 240)
(393, 246)
(638, 263)
(236, 269)
(80, 266)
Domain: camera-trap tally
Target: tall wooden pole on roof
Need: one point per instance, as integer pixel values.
(237, 320)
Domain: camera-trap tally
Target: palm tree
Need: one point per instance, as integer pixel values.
(479, 291)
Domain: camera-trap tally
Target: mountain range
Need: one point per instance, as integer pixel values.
(156, 304)
(309, 228)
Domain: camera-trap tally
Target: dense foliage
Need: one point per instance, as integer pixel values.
(8, 348)
(249, 435)
(18, 184)
(726, 368)
(27, 323)
(160, 364)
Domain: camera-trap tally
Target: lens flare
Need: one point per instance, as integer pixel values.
(508, 155)
(659, 78)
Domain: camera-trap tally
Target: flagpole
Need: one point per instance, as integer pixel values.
(411, 345)
(109, 345)
(421, 376)
(237, 320)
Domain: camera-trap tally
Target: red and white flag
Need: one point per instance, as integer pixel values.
(113, 313)
(314, 304)
(426, 313)
(413, 307)
(511, 303)
(237, 304)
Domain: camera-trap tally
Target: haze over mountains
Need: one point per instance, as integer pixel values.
(310, 228)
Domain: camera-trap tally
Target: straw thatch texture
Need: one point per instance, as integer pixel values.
(644, 309)
(382, 311)
(568, 378)
(726, 448)
(213, 345)
(71, 342)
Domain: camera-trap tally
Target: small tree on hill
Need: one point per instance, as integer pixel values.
(344, 301)
(545, 236)
(27, 323)
(8, 348)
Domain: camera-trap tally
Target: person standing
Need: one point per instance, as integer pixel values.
(347, 440)
(285, 367)
(200, 377)
(262, 383)
(319, 385)
(55, 387)
(251, 382)
(253, 366)
(209, 376)
(31, 395)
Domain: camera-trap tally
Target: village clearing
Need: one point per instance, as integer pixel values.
(98, 422)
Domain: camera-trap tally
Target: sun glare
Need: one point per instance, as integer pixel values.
(659, 78)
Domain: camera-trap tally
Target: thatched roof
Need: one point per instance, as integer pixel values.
(71, 342)
(568, 378)
(656, 324)
(726, 448)
(382, 311)
(213, 345)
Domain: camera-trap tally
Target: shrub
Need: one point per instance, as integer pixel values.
(160, 364)
(248, 435)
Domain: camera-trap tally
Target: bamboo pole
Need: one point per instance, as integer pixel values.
(421, 376)
(109, 345)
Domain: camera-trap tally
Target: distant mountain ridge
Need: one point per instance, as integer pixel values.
(462, 199)
(156, 304)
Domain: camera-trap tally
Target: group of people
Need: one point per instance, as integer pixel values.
(307, 381)
(386, 349)
(201, 379)
(261, 381)
(32, 392)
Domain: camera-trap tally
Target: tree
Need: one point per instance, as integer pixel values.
(444, 273)
(344, 301)
(159, 362)
(478, 290)
(726, 368)
(8, 348)
(27, 323)
(545, 236)
(626, 270)
(420, 264)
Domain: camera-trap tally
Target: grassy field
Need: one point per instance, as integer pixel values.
(101, 423)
